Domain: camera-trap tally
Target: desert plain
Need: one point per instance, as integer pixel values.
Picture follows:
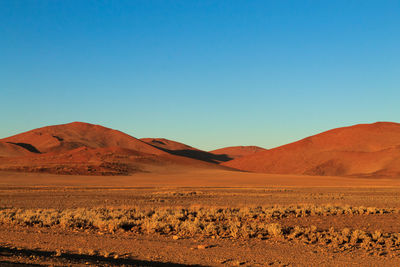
(80, 194)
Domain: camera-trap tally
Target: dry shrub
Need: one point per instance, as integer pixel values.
(275, 230)
(217, 222)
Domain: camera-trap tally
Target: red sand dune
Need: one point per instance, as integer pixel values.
(234, 152)
(362, 150)
(180, 149)
(82, 148)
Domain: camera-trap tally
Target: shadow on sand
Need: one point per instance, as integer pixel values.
(73, 258)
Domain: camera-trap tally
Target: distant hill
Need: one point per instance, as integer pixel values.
(64, 137)
(364, 150)
(87, 149)
(234, 152)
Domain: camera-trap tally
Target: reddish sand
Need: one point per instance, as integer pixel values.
(234, 152)
(46, 195)
(365, 150)
(189, 177)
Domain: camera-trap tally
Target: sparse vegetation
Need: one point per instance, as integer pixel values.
(258, 222)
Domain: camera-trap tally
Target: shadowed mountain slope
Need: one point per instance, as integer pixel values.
(361, 150)
(13, 150)
(234, 152)
(183, 150)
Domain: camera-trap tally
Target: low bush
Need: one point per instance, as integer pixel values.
(211, 222)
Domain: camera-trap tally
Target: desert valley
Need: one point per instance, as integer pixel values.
(80, 194)
(199, 133)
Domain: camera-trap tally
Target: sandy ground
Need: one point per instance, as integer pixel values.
(192, 178)
(214, 188)
(83, 248)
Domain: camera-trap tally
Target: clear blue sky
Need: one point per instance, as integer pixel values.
(206, 73)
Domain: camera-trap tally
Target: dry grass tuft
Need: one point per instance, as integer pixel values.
(211, 222)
